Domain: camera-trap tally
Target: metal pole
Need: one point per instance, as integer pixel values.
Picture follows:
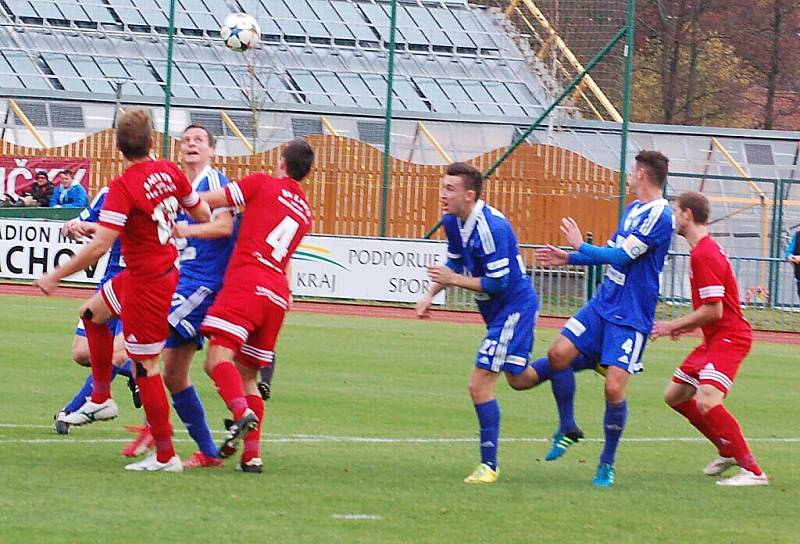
(387, 125)
(566, 92)
(626, 103)
(589, 273)
(168, 86)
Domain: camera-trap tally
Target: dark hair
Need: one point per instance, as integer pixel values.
(41, 173)
(697, 203)
(299, 157)
(656, 164)
(471, 176)
(68, 172)
(134, 134)
(212, 140)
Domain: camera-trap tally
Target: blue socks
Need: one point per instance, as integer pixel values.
(542, 368)
(489, 419)
(614, 425)
(563, 385)
(80, 397)
(190, 409)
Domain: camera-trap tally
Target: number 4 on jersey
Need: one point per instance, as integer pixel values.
(281, 238)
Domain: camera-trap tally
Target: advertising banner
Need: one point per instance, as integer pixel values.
(28, 249)
(365, 268)
(17, 173)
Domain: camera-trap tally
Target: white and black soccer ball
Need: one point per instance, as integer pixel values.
(240, 32)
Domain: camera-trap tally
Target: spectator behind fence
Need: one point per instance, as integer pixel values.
(69, 193)
(40, 192)
(793, 256)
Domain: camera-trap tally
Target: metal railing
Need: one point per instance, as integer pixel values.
(563, 290)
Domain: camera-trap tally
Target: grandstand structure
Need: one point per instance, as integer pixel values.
(468, 79)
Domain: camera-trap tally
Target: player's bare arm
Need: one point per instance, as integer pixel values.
(569, 227)
(423, 305)
(215, 199)
(446, 276)
(220, 226)
(705, 314)
(101, 242)
(200, 213)
(551, 256)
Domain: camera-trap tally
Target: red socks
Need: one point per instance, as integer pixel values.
(252, 440)
(690, 411)
(230, 388)
(101, 351)
(156, 408)
(730, 434)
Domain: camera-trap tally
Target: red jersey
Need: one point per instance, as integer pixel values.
(141, 205)
(276, 217)
(712, 280)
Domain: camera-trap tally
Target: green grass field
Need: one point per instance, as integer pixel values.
(343, 381)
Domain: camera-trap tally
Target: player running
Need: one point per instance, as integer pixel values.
(700, 385)
(615, 324)
(481, 241)
(204, 252)
(140, 208)
(244, 321)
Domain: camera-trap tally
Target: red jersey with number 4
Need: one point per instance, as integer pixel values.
(276, 218)
(141, 204)
(713, 280)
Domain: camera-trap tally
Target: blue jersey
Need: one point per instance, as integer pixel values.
(485, 245)
(629, 294)
(91, 215)
(201, 259)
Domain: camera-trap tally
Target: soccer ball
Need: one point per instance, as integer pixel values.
(240, 32)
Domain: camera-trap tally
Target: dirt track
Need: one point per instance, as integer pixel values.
(363, 310)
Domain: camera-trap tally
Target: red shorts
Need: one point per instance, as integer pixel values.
(246, 318)
(714, 363)
(143, 306)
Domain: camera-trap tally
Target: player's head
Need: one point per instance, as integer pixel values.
(41, 177)
(462, 186)
(692, 209)
(134, 137)
(651, 167)
(297, 159)
(197, 145)
(66, 178)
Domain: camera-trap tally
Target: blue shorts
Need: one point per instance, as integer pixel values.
(114, 325)
(509, 340)
(190, 303)
(614, 345)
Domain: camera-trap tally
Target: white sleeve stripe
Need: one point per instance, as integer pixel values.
(113, 218)
(652, 219)
(499, 263)
(498, 274)
(84, 215)
(453, 255)
(236, 193)
(191, 199)
(98, 196)
(485, 233)
(712, 291)
(213, 180)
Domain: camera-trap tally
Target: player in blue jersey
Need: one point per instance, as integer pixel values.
(481, 241)
(75, 229)
(615, 324)
(204, 252)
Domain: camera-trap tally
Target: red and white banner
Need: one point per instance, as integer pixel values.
(17, 173)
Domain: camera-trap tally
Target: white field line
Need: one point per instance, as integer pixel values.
(305, 438)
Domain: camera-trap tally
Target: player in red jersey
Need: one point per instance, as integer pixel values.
(140, 209)
(244, 321)
(706, 376)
